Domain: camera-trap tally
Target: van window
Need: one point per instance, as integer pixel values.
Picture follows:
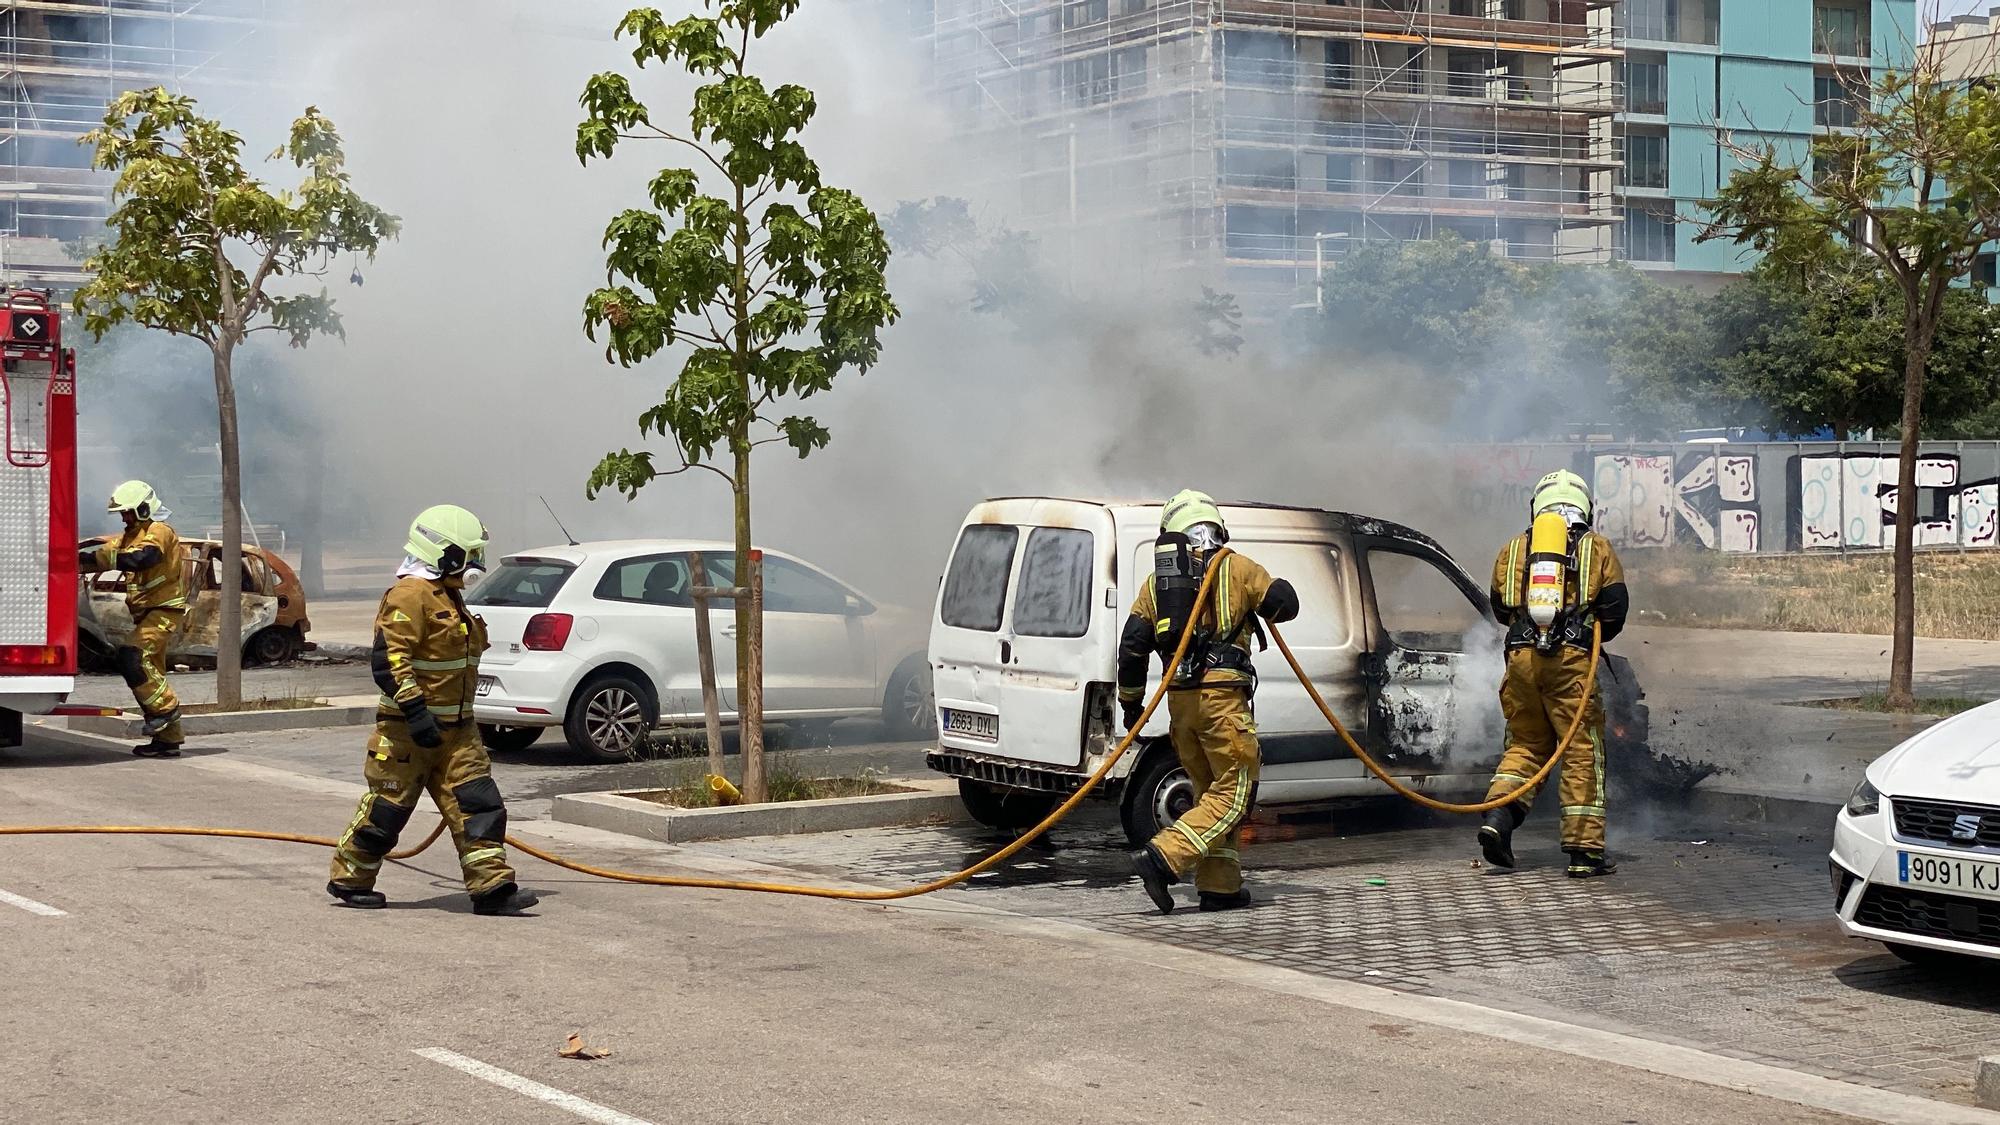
(975, 588)
(1421, 607)
(1054, 597)
(1314, 570)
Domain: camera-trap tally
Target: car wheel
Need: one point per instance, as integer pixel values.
(909, 707)
(1924, 958)
(610, 718)
(1000, 806)
(1158, 794)
(508, 740)
(274, 645)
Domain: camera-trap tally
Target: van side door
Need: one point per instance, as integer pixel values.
(1058, 638)
(1434, 661)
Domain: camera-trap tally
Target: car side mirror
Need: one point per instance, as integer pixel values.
(858, 608)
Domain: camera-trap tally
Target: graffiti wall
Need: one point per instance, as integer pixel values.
(1749, 498)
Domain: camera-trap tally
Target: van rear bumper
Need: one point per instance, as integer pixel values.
(1015, 775)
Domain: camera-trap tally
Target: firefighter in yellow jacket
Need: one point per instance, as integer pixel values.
(1568, 575)
(426, 661)
(156, 593)
(1208, 700)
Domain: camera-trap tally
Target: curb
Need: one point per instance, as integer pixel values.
(1785, 810)
(348, 711)
(616, 812)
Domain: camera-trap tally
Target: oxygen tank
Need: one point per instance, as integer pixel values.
(1548, 554)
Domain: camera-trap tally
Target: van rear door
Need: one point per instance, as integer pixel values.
(1023, 628)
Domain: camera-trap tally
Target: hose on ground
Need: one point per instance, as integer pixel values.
(1062, 810)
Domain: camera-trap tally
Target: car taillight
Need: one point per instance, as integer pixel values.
(547, 632)
(31, 656)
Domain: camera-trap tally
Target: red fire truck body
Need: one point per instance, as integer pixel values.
(38, 519)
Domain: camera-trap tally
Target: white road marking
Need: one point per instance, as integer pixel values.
(31, 906)
(588, 1110)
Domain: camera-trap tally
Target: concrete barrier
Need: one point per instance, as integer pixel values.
(347, 711)
(932, 801)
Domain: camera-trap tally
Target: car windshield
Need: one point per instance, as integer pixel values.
(521, 582)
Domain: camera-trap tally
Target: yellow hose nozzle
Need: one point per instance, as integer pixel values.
(725, 791)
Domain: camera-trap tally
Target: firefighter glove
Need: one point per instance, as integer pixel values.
(1131, 712)
(423, 725)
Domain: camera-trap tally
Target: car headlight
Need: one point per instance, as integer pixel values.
(1866, 801)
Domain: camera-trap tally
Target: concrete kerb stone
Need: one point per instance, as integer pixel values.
(345, 711)
(1787, 810)
(1986, 1082)
(934, 800)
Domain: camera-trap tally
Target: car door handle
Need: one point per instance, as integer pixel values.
(729, 630)
(1006, 652)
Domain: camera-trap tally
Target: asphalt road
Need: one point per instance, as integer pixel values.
(206, 980)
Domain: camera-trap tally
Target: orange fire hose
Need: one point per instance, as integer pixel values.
(1090, 783)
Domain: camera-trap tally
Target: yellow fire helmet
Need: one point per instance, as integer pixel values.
(138, 498)
(447, 537)
(1187, 509)
(1562, 488)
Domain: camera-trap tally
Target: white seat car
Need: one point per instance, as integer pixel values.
(1916, 852)
(599, 639)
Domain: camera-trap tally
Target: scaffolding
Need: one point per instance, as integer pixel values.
(61, 63)
(1251, 142)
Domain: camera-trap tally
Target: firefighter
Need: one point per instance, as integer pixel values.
(149, 553)
(1567, 576)
(1209, 693)
(426, 661)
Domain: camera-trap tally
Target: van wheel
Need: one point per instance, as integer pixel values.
(1158, 794)
(610, 718)
(508, 740)
(999, 806)
(909, 707)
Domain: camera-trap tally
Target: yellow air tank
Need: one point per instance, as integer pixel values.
(1548, 552)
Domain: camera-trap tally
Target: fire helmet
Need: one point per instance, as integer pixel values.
(1563, 489)
(138, 498)
(447, 537)
(1188, 508)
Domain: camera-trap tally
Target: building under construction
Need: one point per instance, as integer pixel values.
(1252, 140)
(63, 61)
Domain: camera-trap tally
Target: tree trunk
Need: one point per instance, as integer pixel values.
(749, 642)
(312, 571)
(1917, 336)
(229, 618)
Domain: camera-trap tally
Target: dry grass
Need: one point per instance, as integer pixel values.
(1943, 707)
(283, 703)
(1958, 595)
(692, 792)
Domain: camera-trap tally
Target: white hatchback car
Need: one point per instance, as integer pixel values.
(599, 639)
(1916, 852)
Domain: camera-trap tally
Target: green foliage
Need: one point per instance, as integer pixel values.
(186, 203)
(774, 285)
(1823, 345)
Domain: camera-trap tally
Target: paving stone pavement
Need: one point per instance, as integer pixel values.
(1714, 936)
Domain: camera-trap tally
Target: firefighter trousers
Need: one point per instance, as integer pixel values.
(458, 776)
(1539, 697)
(142, 660)
(1216, 739)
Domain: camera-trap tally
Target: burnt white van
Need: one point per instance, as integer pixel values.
(1023, 651)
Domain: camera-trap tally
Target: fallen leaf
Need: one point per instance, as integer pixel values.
(575, 1049)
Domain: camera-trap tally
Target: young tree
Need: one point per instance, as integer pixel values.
(1917, 182)
(770, 300)
(188, 213)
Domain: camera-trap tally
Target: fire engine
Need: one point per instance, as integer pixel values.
(38, 522)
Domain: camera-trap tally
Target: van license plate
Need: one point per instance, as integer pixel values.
(1971, 877)
(486, 685)
(972, 724)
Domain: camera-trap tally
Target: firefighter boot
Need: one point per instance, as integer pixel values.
(1218, 900)
(1496, 835)
(157, 749)
(1589, 864)
(507, 898)
(1157, 876)
(358, 898)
